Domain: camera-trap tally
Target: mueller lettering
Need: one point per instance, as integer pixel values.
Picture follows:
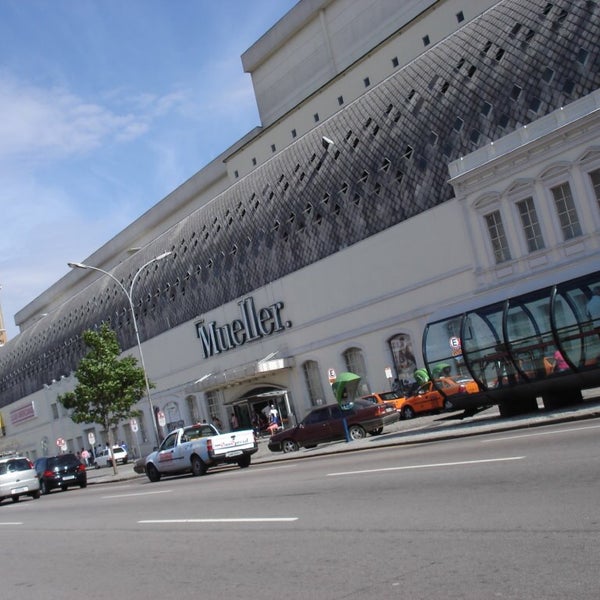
(253, 325)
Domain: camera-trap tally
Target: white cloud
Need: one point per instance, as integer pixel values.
(52, 123)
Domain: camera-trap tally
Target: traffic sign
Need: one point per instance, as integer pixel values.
(91, 438)
(134, 425)
(162, 421)
(60, 442)
(331, 375)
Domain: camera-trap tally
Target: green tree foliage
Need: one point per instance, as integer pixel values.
(107, 386)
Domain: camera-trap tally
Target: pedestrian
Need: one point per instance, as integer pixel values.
(560, 364)
(233, 422)
(217, 422)
(85, 455)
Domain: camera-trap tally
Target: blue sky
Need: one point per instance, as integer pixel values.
(107, 106)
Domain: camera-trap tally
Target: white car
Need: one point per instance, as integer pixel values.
(103, 458)
(18, 478)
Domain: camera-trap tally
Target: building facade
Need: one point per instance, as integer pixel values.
(411, 155)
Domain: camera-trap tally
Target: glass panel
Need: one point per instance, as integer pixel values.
(577, 319)
(485, 351)
(443, 347)
(530, 337)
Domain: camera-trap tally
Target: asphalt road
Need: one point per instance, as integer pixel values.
(510, 514)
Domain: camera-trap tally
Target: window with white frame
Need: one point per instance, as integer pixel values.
(212, 404)
(566, 211)
(595, 177)
(498, 239)
(312, 377)
(531, 224)
(355, 363)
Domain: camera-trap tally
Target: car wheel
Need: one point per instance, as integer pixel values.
(83, 485)
(152, 472)
(377, 431)
(244, 461)
(63, 488)
(448, 405)
(44, 488)
(356, 432)
(289, 446)
(198, 466)
(36, 494)
(408, 412)
(15, 498)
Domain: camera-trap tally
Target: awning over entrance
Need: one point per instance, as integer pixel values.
(242, 374)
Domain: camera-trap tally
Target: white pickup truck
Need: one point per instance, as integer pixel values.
(195, 448)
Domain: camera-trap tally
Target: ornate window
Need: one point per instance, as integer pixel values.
(312, 377)
(355, 363)
(565, 209)
(531, 224)
(497, 237)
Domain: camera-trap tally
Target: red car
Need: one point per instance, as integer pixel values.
(325, 424)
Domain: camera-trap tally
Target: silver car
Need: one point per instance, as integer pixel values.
(18, 478)
(103, 458)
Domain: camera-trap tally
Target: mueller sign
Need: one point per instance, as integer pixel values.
(253, 325)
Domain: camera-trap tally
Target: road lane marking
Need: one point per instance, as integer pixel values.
(12, 523)
(241, 520)
(409, 467)
(524, 435)
(137, 494)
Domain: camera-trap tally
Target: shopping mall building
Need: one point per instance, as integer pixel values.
(411, 155)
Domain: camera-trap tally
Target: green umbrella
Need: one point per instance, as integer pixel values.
(345, 386)
(421, 376)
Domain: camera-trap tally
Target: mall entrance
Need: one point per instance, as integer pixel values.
(252, 409)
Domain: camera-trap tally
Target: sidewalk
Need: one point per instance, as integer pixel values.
(414, 431)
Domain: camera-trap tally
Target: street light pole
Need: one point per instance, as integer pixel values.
(129, 294)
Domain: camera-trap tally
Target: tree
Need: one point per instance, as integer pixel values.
(107, 386)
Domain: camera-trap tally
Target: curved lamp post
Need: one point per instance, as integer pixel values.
(129, 294)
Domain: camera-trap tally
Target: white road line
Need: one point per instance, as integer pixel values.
(9, 523)
(448, 464)
(137, 494)
(242, 520)
(524, 435)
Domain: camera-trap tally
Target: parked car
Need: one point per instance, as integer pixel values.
(62, 471)
(103, 458)
(18, 478)
(325, 424)
(435, 396)
(394, 399)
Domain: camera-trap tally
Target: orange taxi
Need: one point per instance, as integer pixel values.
(392, 398)
(429, 398)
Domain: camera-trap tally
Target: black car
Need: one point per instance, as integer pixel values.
(62, 471)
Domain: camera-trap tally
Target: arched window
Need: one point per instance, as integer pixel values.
(403, 356)
(312, 377)
(355, 363)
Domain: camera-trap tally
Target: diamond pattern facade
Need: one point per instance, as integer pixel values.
(512, 65)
